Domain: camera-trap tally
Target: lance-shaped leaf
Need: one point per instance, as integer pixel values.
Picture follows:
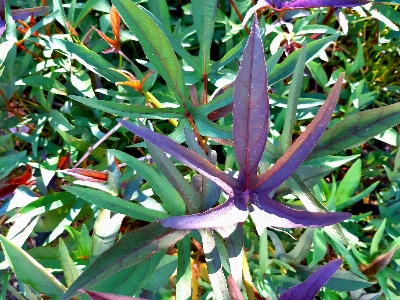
(309, 288)
(357, 128)
(251, 107)
(133, 248)
(185, 155)
(229, 213)
(299, 4)
(300, 149)
(155, 45)
(269, 213)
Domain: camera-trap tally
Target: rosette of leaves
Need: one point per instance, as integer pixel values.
(250, 132)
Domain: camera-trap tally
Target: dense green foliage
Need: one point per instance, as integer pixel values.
(85, 203)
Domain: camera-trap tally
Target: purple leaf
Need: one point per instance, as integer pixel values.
(185, 155)
(298, 4)
(18, 14)
(2, 27)
(300, 149)
(309, 288)
(251, 108)
(269, 213)
(229, 213)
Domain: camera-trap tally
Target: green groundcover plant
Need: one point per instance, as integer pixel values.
(202, 152)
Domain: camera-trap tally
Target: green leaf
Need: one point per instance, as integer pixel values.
(44, 204)
(377, 239)
(155, 45)
(286, 68)
(358, 61)
(70, 271)
(318, 73)
(82, 241)
(345, 281)
(91, 60)
(319, 246)
(127, 110)
(204, 12)
(160, 10)
(46, 83)
(29, 271)
(176, 45)
(357, 128)
(349, 184)
(172, 201)
(302, 248)
(184, 275)
(183, 187)
(85, 10)
(105, 230)
(58, 6)
(59, 122)
(134, 247)
(294, 95)
(116, 204)
(162, 273)
(368, 191)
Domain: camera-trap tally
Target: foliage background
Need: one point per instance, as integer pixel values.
(52, 76)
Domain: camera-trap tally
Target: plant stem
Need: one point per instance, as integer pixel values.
(114, 129)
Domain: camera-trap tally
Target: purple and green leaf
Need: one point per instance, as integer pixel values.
(250, 132)
(309, 288)
(131, 249)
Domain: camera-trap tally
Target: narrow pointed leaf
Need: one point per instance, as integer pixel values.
(29, 271)
(184, 273)
(309, 288)
(269, 213)
(204, 12)
(226, 214)
(170, 197)
(356, 129)
(155, 45)
(70, 271)
(293, 99)
(127, 110)
(285, 68)
(184, 155)
(298, 4)
(251, 107)
(133, 248)
(116, 204)
(300, 149)
(167, 167)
